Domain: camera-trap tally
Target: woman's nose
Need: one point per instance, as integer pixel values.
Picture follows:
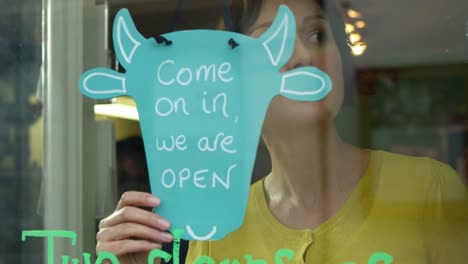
(301, 57)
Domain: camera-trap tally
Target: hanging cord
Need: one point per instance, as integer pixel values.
(226, 17)
(228, 22)
(178, 14)
(159, 38)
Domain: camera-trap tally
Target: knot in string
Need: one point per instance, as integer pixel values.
(160, 39)
(233, 43)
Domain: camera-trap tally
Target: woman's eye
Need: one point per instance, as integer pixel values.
(316, 37)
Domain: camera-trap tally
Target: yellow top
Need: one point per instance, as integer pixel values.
(405, 209)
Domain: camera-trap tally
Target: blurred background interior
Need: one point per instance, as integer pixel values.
(411, 60)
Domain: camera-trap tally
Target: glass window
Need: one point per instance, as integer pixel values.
(375, 170)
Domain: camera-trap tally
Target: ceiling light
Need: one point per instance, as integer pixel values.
(117, 111)
(353, 13)
(121, 107)
(349, 27)
(359, 48)
(354, 37)
(360, 24)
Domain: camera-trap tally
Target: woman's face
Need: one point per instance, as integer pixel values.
(315, 46)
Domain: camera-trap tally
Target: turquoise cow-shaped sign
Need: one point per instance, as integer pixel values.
(201, 104)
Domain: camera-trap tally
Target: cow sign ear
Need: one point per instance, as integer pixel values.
(305, 84)
(279, 39)
(103, 84)
(127, 39)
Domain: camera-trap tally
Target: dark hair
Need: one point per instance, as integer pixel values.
(245, 12)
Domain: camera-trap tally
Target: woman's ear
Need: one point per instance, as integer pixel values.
(126, 37)
(279, 39)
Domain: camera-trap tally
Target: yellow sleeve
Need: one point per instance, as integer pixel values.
(196, 250)
(447, 217)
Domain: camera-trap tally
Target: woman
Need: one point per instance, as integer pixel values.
(325, 200)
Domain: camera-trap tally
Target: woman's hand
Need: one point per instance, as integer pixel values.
(131, 232)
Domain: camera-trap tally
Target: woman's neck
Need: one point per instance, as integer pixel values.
(313, 169)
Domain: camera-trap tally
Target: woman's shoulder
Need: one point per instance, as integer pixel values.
(417, 175)
(403, 159)
(415, 165)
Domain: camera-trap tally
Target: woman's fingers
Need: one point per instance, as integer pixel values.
(133, 231)
(138, 199)
(135, 215)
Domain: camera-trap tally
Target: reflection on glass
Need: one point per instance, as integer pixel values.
(20, 129)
